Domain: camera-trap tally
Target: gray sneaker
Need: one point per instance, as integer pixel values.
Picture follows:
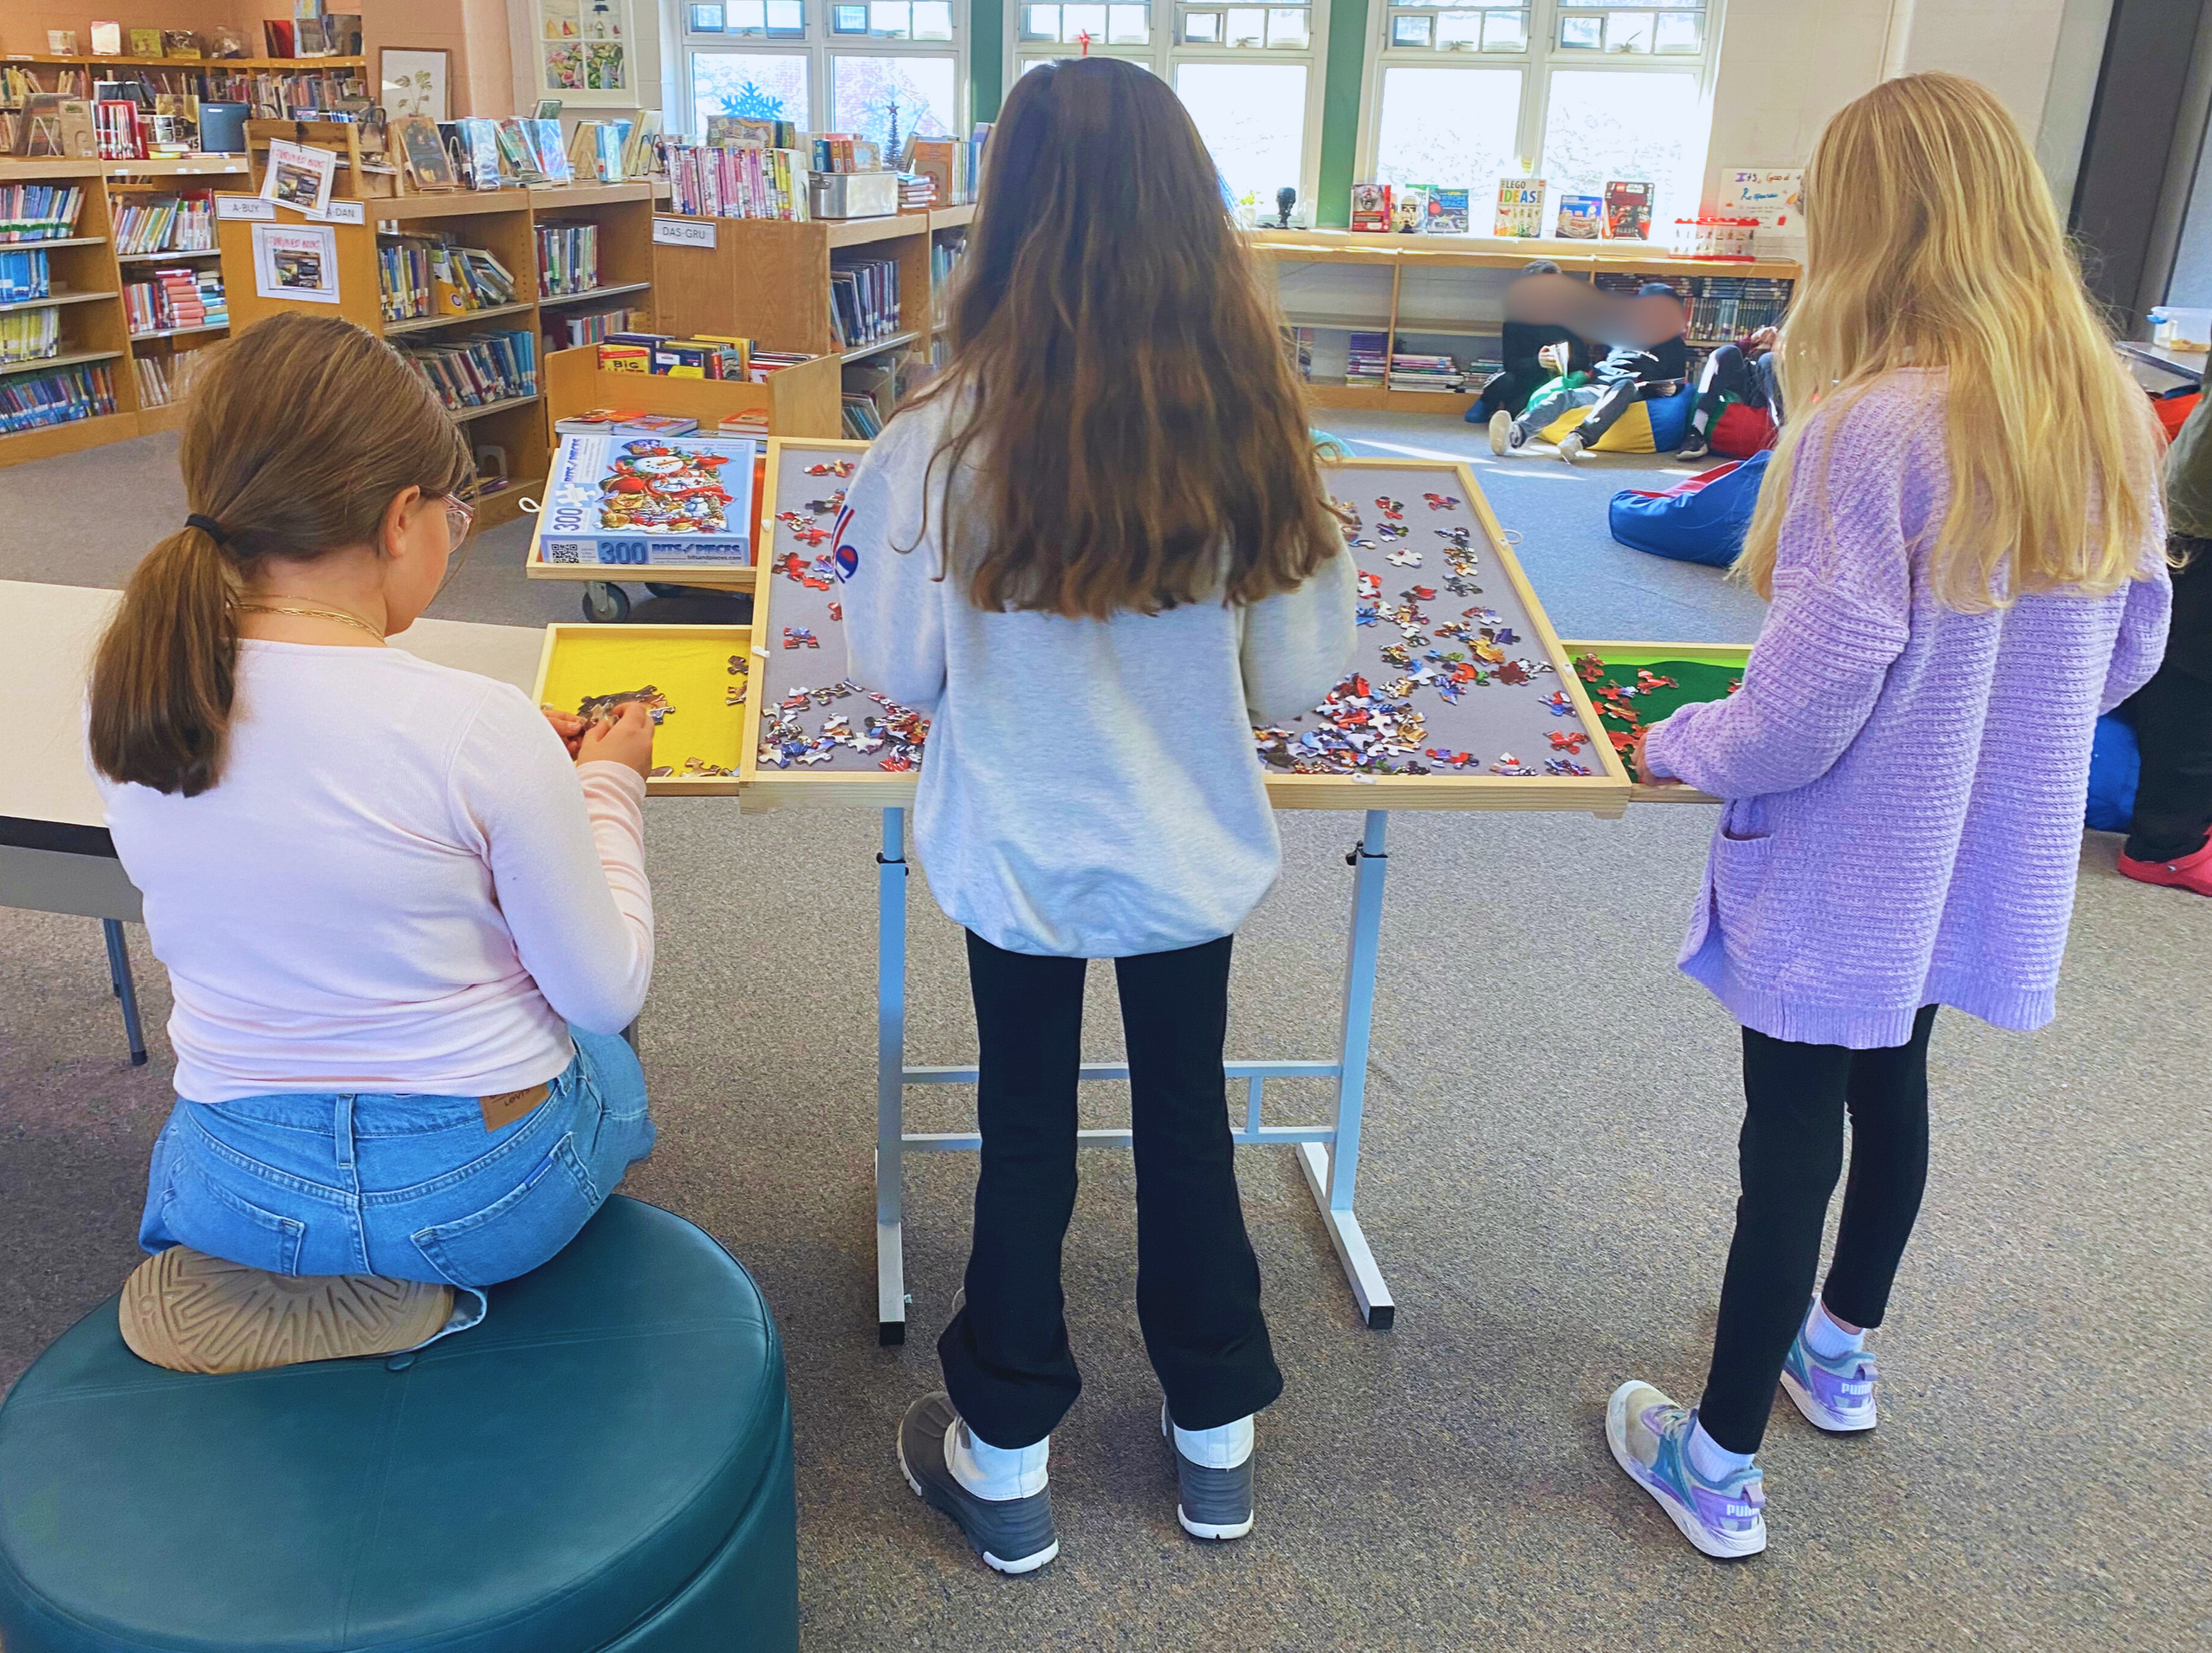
(1013, 1534)
(1215, 1503)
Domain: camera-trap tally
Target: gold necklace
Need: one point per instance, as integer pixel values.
(337, 614)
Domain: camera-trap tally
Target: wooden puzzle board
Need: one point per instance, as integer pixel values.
(1483, 680)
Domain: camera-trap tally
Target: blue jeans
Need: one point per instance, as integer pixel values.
(408, 1186)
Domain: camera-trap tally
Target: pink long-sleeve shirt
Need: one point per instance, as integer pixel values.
(400, 883)
(1906, 782)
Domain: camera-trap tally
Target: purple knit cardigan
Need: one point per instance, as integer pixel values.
(1904, 783)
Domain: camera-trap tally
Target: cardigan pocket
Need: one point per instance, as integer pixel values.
(1739, 876)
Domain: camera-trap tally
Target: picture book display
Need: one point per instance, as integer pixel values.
(1628, 211)
(1448, 212)
(1520, 207)
(1579, 217)
(648, 500)
(1459, 695)
(1370, 208)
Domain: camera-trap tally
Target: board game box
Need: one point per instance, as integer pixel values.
(619, 499)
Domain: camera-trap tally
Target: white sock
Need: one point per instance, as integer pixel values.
(996, 1474)
(1223, 1447)
(1825, 1338)
(1714, 1462)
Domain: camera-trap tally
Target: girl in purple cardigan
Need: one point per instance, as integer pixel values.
(1966, 568)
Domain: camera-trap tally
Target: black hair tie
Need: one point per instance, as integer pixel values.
(209, 526)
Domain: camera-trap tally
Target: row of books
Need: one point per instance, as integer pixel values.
(864, 301)
(284, 96)
(479, 369)
(427, 276)
(29, 335)
(175, 301)
(1623, 212)
(945, 254)
(166, 223)
(29, 400)
(24, 275)
(565, 332)
(736, 181)
(710, 355)
(1723, 307)
(863, 421)
(568, 258)
(39, 212)
(160, 376)
(1372, 363)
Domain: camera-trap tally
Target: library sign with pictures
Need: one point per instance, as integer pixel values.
(583, 48)
(296, 261)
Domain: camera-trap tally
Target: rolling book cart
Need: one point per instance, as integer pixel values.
(796, 401)
(1517, 731)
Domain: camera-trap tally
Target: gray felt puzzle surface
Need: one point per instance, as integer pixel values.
(1449, 660)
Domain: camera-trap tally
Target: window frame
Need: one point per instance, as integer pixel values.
(1166, 54)
(821, 48)
(1536, 64)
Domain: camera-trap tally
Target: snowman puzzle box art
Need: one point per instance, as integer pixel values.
(643, 502)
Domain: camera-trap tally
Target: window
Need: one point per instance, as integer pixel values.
(1579, 93)
(884, 69)
(1250, 75)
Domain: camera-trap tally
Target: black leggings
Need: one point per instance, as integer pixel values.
(1791, 1152)
(1007, 1363)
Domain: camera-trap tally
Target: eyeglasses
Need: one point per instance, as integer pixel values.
(460, 518)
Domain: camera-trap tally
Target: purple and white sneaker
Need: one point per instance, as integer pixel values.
(1837, 1394)
(1648, 1434)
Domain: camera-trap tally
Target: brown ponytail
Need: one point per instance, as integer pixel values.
(296, 439)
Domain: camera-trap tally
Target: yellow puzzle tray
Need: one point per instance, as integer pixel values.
(697, 742)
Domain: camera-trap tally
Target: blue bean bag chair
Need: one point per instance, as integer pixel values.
(2114, 767)
(1702, 520)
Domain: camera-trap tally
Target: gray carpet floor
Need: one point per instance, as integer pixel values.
(1547, 1182)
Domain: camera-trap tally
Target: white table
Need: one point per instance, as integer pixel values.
(56, 855)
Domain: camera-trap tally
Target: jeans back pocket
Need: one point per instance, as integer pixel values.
(200, 1212)
(521, 1229)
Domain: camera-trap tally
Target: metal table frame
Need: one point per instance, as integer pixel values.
(1328, 1154)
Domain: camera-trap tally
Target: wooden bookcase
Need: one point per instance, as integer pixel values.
(88, 294)
(1440, 289)
(504, 223)
(768, 281)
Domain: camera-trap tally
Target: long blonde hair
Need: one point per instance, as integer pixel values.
(1932, 242)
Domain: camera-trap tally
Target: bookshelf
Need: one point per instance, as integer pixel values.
(87, 299)
(511, 434)
(1441, 294)
(768, 280)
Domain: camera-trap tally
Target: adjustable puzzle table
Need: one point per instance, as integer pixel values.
(1460, 696)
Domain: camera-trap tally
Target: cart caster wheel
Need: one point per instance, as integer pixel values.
(604, 603)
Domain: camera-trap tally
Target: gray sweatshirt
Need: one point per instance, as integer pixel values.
(1090, 787)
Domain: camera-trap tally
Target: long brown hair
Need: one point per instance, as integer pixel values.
(1122, 394)
(296, 439)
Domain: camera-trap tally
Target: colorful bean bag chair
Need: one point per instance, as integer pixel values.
(1654, 427)
(1741, 430)
(1702, 520)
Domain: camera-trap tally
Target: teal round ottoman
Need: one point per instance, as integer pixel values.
(603, 1466)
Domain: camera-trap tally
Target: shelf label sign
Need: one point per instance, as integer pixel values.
(682, 232)
(346, 212)
(245, 206)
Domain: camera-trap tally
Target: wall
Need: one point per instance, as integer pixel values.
(1786, 66)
